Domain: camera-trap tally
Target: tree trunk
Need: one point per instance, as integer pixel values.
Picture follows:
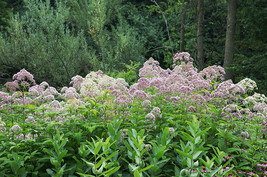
(200, 19)
(183, 15)
(230, 34)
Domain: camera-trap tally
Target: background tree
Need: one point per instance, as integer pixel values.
(183, 17)
(200, 31)
(251, 43)
(230, 35)
(4, 14)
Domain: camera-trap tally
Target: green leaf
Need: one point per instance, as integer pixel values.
(141, 133)
(99, 163)
(243, 164)
(143, 151)
(133, 167)
(196, 154)
(161, 152)
(162, 161)
(61, 171)
(184, 154)
(49, 152)
(141, 141)
(134, 147)
(111, 155)
(111, 130)
(147, 168)
(226, 171)
(81, 174)
(97, 147)
(166, 132)
(62, 154)
(215, 171)
(202, 132)
(188, 137)
(111, 171)
(63, 143)
(88, 163)
(137, 174)
(50, 172)
(31, 106)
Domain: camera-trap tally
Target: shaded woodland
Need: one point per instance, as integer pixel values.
(56, 40)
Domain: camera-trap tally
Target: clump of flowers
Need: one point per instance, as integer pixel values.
(213, 73)
(95, 84)
(248, 85)
(22, 80)
(2, 125)
(68, 93)
(256, 98)
(123, 134)
(235, 88)
(73, 103)
(171, 129)
(156, 111)
(243, 135)
(183, 56)
(150, 119)
(146, 103)
(77, 81)
(123, 99)
(15, 129)
(150, 69)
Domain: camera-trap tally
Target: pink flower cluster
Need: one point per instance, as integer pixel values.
(212, 73)
(24, 75)
(244, 135)
(150, 69)
(183, 56)
(68, 93)
(77, 81)
(22, 78)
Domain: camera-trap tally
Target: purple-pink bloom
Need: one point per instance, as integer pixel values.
(70, 93)
(24, 75)
(146, 103)
(140, 94)
(156, 111)
(171, 129)
(143, 83)
(122, 99)
(150, 116)
(3, 95)
(76, 81)
(244, 134)
(2, 127)
(55, 104)
(183, 56)
(49, 98)
(192, 108)
(156, 82)
(15, 129)
(12, 86)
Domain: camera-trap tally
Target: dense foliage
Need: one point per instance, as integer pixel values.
(88, 35)
(130, 121)
(171, 122)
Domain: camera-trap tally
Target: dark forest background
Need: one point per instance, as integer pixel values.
(58, 39)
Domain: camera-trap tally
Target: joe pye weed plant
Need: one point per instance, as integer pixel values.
(171, 122)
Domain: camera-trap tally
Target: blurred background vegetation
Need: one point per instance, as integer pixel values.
(58, 39)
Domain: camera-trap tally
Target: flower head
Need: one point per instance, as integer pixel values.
(24, 75)
(76, 81)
